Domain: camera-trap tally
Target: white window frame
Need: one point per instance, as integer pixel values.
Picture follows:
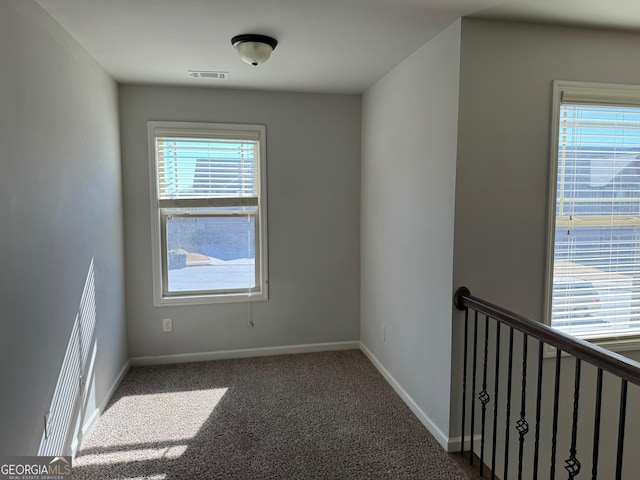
(158, 221)
(589, 93)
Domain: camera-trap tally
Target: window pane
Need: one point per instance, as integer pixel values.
(207, 254)
(596, 274)
(592, 297)
(201, 167)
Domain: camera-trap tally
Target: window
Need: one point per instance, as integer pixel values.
(208, 201)
(593, 274)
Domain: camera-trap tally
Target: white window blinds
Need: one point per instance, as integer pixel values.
(596, 257)
(207, 169)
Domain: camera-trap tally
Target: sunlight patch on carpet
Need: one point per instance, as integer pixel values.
(160, 417)
(133, 455)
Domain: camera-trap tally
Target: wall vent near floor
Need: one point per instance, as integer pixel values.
(207, 74)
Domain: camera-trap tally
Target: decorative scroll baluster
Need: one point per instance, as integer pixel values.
(495, 403)
(521, 425)
(536, 448)
(483, 396)
(473, 383)
(596, 426)
(508, 415)
(621, 421)
(556, 400)
(464, 381)
(572, 464)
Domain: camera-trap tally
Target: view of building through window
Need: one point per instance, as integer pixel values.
(211, 253)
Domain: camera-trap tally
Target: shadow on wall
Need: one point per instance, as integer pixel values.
(75, 389)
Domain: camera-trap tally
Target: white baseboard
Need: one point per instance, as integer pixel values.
(114, 386)
(244, 353)
(442, 439)
(93, 418)
(454, 443)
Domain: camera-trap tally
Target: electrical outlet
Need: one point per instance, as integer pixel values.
(167, 325)
(383, 333)
(47, 425)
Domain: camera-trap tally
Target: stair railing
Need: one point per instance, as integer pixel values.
(626, 370)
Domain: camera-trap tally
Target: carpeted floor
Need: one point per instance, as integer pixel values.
(312, 416)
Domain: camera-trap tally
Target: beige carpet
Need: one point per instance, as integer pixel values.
(312, 416)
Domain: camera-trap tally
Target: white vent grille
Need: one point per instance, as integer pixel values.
(206, 74)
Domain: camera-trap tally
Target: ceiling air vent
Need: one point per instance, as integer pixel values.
(205, 74)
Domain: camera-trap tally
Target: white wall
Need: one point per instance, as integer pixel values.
(409, 132)
(313, 164)
(506, 75)
(61, 213)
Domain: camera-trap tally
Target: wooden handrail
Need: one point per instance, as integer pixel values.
(609, 361)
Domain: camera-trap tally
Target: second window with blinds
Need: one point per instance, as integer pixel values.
(593, 266)
(208, 199)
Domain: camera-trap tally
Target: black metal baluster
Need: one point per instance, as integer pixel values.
(483, 396)
(464, 379)
(508, 415)
(495, 403)
(538, 406)
(521, 425)
(556, 400)
(473, 384)
(572, 464)
(625, 370)
(621, 422)
(596, 426)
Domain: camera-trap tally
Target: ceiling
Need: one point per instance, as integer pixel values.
(325, 46)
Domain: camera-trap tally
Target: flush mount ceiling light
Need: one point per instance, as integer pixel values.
(254, 49)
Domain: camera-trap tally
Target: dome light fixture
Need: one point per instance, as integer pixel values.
(254, 49)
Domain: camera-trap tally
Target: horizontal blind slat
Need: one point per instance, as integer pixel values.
(208, 202)
(193, 133)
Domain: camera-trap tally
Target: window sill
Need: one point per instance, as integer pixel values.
(619, 344)
(209, 299)
(631, 344)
